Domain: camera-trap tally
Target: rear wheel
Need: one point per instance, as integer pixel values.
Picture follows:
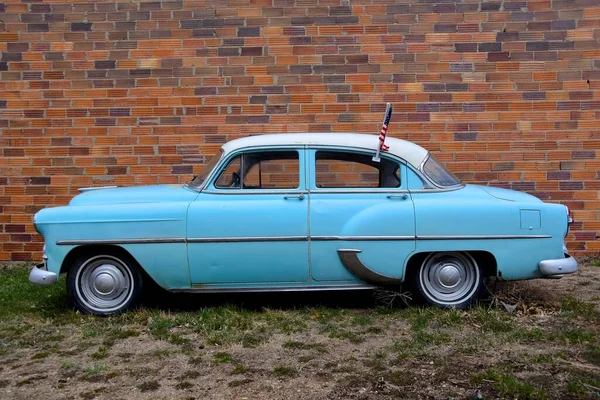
(104, 284)
(449, 279)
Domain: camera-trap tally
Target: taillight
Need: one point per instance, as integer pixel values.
(570, 219)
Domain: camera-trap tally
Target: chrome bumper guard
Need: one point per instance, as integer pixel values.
(40, 276)
(559, 267)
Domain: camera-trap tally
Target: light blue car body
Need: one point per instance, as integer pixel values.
(210, 239)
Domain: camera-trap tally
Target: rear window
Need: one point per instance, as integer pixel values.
(439, 174)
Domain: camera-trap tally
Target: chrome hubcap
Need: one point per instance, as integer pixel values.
(104, 283)
(106, 279)
(449, 278)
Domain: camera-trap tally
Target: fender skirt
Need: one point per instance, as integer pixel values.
(349, 257)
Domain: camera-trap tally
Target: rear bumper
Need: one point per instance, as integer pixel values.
(558, 267)
(40, 276)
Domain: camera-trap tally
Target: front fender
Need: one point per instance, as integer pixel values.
(153, 233)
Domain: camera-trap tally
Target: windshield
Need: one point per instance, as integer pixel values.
(438, 173)
(208, 167)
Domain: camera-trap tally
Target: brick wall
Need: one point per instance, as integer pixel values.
(131, 93)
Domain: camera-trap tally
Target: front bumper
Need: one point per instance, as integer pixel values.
(40, 276)
(559, 267)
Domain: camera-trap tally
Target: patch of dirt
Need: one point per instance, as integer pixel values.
(547, 294)
(585, 285)
(356, 353)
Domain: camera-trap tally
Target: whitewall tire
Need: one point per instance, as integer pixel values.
(449, 279)
(104, 284)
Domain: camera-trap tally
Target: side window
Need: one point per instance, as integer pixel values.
(353, 170)
(262, 170)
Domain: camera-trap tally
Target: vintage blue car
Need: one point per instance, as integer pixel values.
(297, 212)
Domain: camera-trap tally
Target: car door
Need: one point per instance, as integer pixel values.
(250, 225)
(362, 224)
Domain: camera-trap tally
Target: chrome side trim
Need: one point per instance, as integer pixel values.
(482, 237)
(350, 260)
(110, 221)
(76, 242)
(249, 239)
(199, 288)
(425, 237)
(359, 238)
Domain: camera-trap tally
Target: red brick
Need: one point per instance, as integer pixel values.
(518, 80)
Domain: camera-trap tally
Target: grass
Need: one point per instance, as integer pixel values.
(239, 382)
(573, 307)
(222, 357)
(508, 386)
(184, 385)
(296, 345)
(347, 340)
(584, 384)
(161, 353)
(149, 386)
(191, 374)
(239, 369)
(101, 353)
(284, 371)
(159, 327)
(40, 355)
(19, 298)
(94, 370)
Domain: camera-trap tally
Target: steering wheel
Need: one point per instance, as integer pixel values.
(235, 180)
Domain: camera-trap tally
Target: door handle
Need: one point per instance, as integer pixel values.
(397, 196)
(295, 196)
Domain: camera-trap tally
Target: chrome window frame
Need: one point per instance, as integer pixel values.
(210, 187)
(428, 185)
(312, 171)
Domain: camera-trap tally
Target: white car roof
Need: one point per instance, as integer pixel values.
(412, 153)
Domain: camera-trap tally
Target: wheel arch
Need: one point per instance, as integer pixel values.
(92, 250)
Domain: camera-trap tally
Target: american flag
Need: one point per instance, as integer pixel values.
(384, 127)
(383, 132)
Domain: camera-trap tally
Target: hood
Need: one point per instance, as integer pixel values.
(137, 194)
(510, 195)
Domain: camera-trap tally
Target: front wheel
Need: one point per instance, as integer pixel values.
(449, 279)
(104, 284)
